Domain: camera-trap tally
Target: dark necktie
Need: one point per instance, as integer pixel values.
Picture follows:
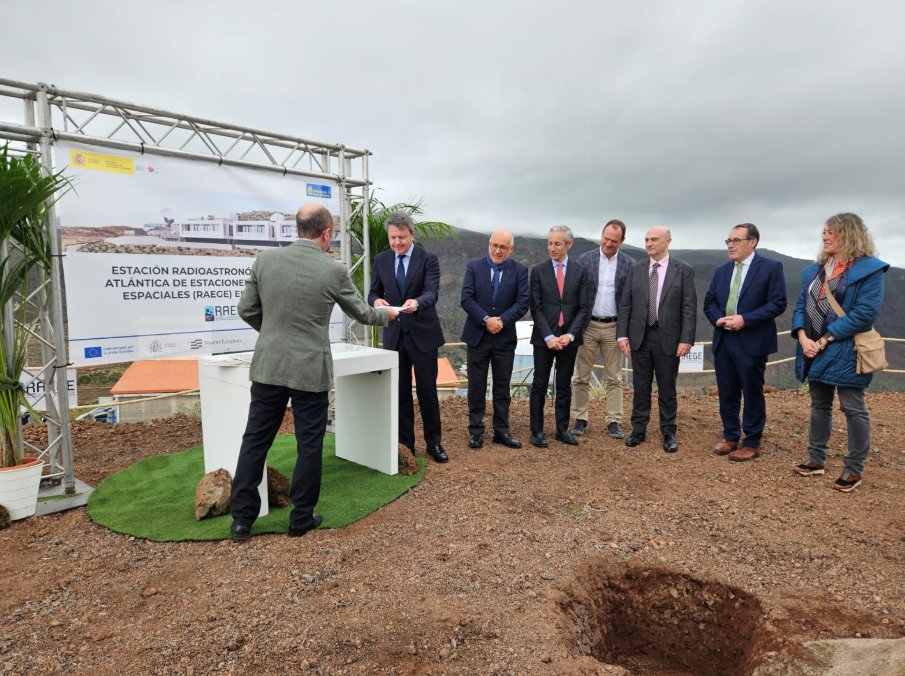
(652, 295)
(400, 276)
(495, 283)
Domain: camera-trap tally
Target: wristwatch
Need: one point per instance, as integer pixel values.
(486, 317)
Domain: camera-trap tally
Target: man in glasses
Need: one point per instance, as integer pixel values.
(745, 297)
(494, 297)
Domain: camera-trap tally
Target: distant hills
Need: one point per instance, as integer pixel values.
(455, 253)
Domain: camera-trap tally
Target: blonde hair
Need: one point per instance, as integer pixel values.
(854, 239)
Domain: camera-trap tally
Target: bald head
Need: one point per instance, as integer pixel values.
(311, 220)
(657, 241)
(501, 246)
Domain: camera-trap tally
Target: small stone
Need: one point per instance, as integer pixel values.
(545, 658)
(150, 591)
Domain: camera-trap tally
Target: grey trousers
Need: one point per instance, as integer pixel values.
(851, 401)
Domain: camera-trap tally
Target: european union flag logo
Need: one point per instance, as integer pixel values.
(94, 352)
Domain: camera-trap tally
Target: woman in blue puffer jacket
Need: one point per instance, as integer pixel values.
(825, 355)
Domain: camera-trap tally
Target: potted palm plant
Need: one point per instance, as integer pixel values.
(26, 194)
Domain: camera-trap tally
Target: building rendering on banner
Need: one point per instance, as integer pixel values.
(275, 230)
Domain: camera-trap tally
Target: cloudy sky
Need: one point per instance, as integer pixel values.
(695, 115)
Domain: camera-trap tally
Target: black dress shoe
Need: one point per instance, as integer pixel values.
(507, 440)
(670, 445)
(635, 438)
(566, 438)
(299, 531)
(476, 441)
(437, 453)
(539, 440)
(615, 430)
(240, 532)
(579, 428)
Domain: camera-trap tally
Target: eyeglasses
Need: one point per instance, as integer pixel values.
(735, 241)
(500, 247)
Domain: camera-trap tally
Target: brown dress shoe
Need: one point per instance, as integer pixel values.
(744, 454)
(725, 447)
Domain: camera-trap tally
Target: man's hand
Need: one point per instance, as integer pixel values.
(731, 323)
(564, 340)
(410, 306)
(553, 344)
(684, 348)
(380, 302)
(391, 312)
(493, 325)
(624, 348)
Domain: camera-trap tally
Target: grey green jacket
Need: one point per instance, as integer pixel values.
(288, 299)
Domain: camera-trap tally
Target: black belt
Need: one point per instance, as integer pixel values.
(603, 320)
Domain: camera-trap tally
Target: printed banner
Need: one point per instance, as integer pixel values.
(157, 250)
(129, 307)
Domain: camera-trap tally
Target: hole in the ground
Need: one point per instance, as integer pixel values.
(659, 621)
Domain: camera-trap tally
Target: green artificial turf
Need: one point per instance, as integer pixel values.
(155, 498)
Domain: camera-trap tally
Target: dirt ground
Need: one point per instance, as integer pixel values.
(596, 559)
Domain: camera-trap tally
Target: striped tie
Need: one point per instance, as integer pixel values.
(652, 295)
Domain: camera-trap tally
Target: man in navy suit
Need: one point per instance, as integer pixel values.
(494, 297)
(560, 308)
(407, 276)
(745, 297)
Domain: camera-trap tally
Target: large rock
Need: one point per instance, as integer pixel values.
(4, 518)
(408, 465)
(277, 488)
(860, 656)
(212, 494)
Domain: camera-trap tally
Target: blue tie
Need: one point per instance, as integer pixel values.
(400, 277)
(495, 283)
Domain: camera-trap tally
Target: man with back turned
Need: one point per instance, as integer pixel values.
(288, 300)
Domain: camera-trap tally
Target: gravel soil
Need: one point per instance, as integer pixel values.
(597, 559)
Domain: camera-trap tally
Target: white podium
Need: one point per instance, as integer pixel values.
(366, 408)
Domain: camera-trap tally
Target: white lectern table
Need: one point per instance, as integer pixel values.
(366, 408)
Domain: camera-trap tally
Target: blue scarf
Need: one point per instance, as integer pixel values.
(502, 267)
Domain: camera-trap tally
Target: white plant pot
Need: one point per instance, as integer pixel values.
(19, 487)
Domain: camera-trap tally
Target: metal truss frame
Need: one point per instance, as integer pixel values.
(51, 114)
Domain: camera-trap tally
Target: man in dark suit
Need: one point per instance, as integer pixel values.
(607, 271)
(408, 277)
(656, 325)
(494, 297)
(560, 308)
(745, 297)
(288, 300)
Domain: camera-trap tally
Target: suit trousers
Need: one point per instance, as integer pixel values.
(598, 338)
(479, 358)
(650, 361)
(425, 366)
(739, 374)
(857, 418)
(265, 415)
(544, 358)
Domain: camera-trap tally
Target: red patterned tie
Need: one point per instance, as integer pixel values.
(560, 282)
